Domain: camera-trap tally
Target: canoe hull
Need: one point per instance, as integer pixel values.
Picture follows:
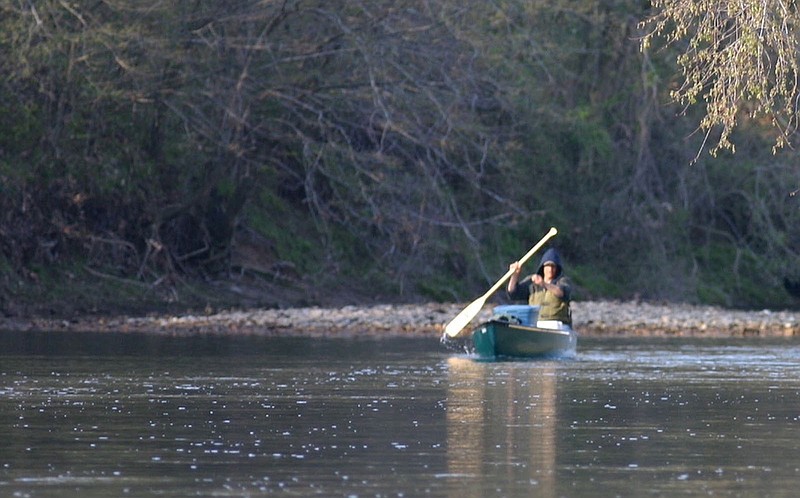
(498, 338)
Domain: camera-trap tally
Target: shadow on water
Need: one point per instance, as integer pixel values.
(42, 343)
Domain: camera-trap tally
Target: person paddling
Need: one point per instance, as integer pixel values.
(548, 288)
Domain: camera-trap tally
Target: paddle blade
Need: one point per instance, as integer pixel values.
(458, 323)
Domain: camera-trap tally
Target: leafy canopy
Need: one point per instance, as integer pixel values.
(739, 58)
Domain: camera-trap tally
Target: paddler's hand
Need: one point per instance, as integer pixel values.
(515, 268)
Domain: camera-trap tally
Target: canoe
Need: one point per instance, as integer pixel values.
(514, 331)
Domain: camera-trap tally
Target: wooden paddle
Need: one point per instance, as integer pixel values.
(458, 323)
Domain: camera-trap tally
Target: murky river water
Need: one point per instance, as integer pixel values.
(95, 415)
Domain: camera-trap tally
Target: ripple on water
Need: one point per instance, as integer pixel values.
(353, 418)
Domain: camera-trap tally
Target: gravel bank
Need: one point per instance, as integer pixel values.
(591, 318)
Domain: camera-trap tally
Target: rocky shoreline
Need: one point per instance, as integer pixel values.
(591, 318)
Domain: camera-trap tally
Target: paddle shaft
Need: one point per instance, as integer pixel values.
(467, 314)
(522, 261)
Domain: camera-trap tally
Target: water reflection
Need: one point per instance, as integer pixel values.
(114, 415)
(502, 425)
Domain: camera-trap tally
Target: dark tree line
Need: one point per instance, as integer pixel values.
(412, 142)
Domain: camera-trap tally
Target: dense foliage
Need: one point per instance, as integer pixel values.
(738, 57)
(411, 146)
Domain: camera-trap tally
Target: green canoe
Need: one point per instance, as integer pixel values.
(508, 333)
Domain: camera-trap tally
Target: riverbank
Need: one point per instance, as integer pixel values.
(591, 318)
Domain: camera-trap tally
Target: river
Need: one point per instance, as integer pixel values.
(99, 415)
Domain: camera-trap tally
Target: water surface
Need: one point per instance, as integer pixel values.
(143, 415)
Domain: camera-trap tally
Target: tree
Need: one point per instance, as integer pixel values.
(739, 58)
(159, 120)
